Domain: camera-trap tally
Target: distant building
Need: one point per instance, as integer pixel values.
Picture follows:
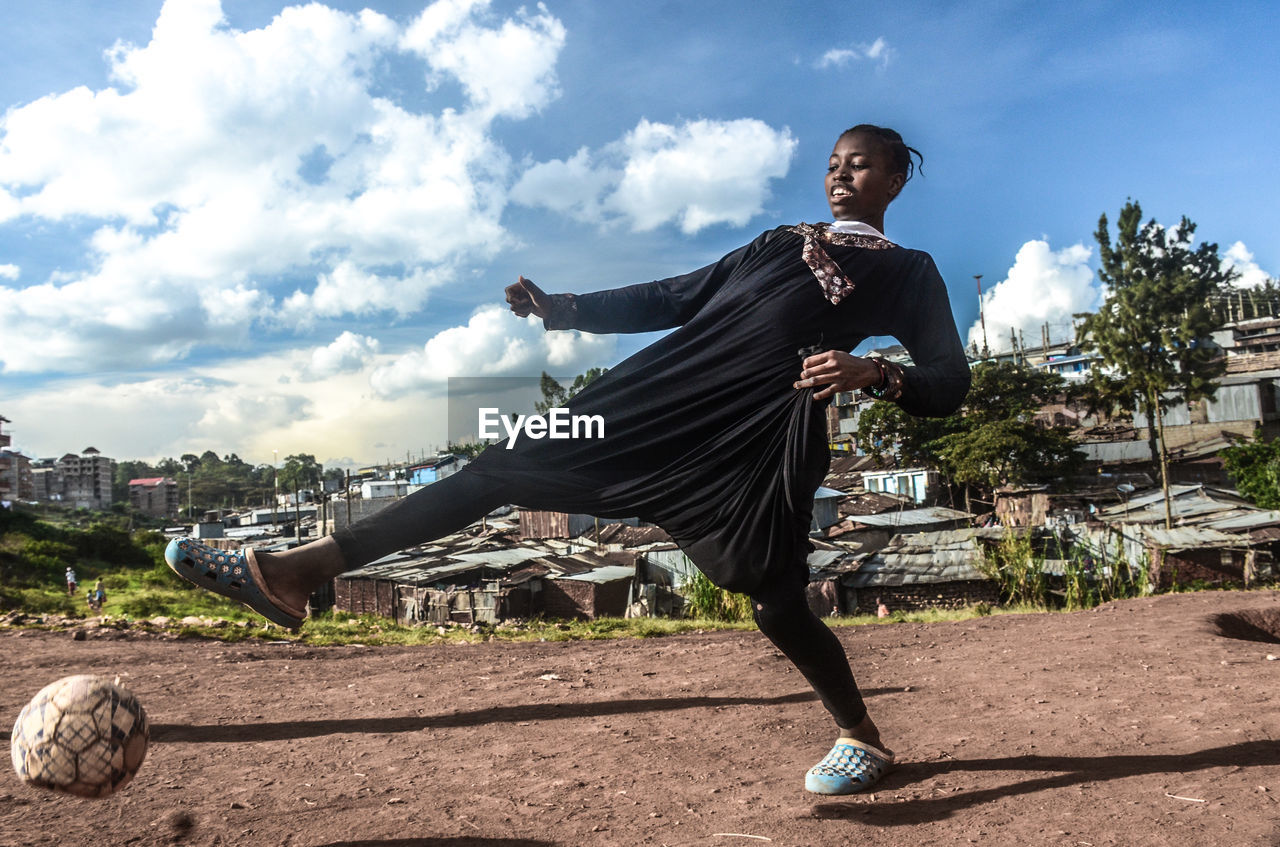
(46, 482)
(15, 470)
(156, 496)
(86, 479)
(379, 488)
(907, 482)
(436, 469)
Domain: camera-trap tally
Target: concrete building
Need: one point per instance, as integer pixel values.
(914, 483)
(86, 479)
(156, 496)
(15, 470)
(46, 484)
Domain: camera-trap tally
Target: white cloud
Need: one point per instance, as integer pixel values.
(348, 290)
(494, 342)
(10, 271)
(1239, 257)
(226, 166)
(349, 352)
(878, 51)
(152, 417)
(575, 187)
(508, 71)
(697, 174)
(246, 407)
(1043, 286)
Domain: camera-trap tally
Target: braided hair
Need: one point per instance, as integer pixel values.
(893, 144)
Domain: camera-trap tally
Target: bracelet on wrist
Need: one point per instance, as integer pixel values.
(890, 385)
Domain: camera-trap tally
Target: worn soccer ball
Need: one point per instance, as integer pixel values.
(84, 735)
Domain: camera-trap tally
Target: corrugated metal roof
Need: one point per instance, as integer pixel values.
(432, 564)
(1246, 519)
(609, 573)
(1191, 537)
(509, 556)
(924, 557)
(1188, 504)
(823, 492)
(820, 559)
(1145, 498)
(627, 536)
(913, 517)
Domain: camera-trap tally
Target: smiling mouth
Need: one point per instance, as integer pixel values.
(840, 191)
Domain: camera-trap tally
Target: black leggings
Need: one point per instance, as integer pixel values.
(781, 610)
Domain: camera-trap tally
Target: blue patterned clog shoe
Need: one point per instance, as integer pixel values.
(231, 573)
(850, 767)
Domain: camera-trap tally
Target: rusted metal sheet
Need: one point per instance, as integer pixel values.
(536, 524)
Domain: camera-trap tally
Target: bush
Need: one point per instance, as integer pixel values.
(145, 605)
(110, 544)
(39, 602)
(56, 550)
(1018, 569)
(709, 601)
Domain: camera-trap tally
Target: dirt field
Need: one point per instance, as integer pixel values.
(1138, 723)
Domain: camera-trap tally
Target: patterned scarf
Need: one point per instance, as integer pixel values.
(835, 285)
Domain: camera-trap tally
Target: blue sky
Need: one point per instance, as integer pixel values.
(245, 226)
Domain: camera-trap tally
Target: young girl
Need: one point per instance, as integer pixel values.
(716, 432)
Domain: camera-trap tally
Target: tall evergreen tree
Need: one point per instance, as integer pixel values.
(1153, 332)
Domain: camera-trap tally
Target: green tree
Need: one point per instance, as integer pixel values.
(555, 395)
(998, 440)
(169, 467)
(470, 449)
(1153, 332)
(301, 471)
(1254, 466)
(992, 440)
(885, 431)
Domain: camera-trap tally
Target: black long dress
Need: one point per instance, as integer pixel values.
(705, 434)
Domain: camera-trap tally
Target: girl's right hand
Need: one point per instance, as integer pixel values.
(527, 299)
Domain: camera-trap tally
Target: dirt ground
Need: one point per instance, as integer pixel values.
(1137, 723)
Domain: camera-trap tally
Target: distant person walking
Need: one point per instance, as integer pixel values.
(72, 584)
(717, 431)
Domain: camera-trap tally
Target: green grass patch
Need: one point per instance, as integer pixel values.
(232, 622)
(340, 628)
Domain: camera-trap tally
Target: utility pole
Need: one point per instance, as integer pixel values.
(982, 317)
(275, 482)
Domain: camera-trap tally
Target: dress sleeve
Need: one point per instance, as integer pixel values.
(647, 306)
(939, 380)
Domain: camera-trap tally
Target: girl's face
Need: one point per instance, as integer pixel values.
(861, 181)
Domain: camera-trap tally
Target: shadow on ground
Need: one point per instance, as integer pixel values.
(461, 841)
(1071, 770)
(278, 731)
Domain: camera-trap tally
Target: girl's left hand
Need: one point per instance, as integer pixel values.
(836, 371)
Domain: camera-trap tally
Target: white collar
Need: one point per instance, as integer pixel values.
(857, 228)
